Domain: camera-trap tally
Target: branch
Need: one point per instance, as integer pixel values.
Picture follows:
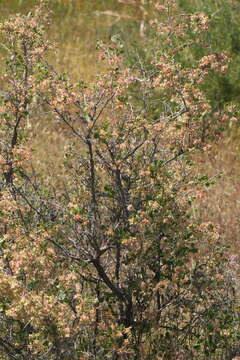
(101, 272)
(10, 349)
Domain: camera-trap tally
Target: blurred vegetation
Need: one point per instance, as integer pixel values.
(224, 37)
(77, 25)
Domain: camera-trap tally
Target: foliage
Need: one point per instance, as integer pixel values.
(105, 265)
(223, 36)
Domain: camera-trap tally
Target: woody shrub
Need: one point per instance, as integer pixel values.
(110, 265)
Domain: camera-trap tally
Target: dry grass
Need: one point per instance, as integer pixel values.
(221, 203)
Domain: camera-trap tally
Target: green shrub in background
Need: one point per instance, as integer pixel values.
(223, 36)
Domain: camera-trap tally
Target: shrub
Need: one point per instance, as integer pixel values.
(110, 264)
